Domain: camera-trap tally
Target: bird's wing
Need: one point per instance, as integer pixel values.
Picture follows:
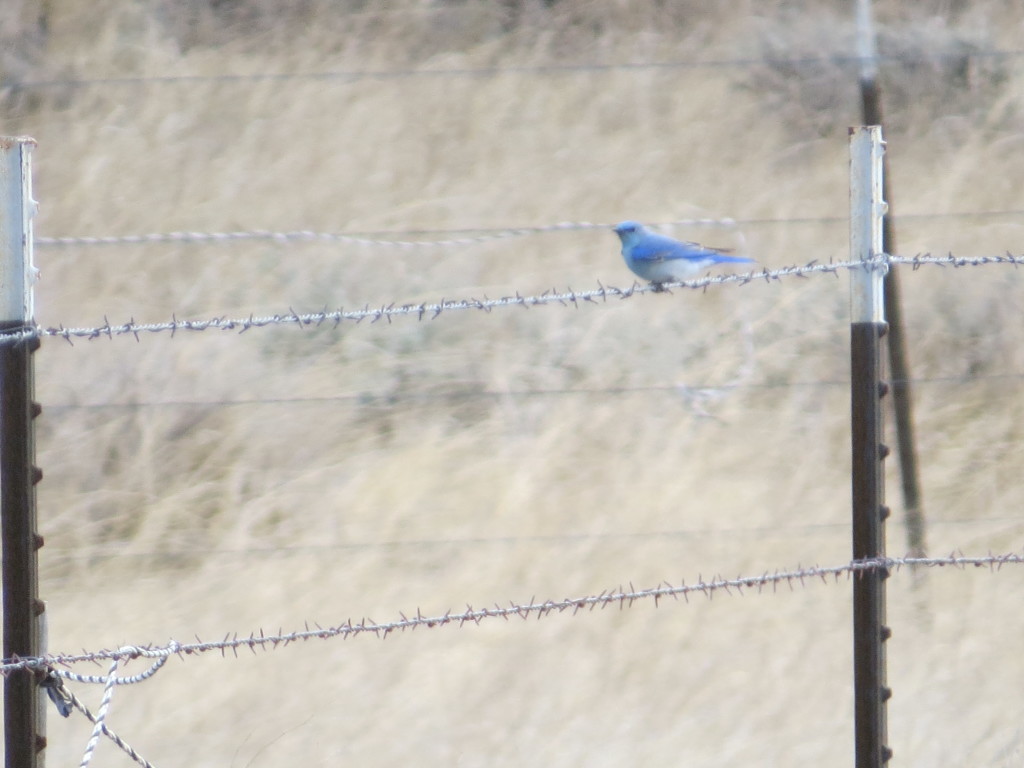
(657, 247)
(704, 249)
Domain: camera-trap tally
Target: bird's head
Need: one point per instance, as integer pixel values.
(627, 230)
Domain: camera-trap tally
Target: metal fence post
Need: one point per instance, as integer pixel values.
(867, 326)
(23, 739)
(899, 362)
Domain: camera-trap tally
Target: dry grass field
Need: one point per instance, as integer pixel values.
(215, 483)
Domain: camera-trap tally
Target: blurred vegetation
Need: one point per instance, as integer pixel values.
(214, 481)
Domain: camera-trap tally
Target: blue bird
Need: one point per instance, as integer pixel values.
(662, 259)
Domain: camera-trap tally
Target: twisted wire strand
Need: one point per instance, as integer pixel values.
(101, 715)
(113, 679)
(457, 237)
(106, 731)
(292, 236)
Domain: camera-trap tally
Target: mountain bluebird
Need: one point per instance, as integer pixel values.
(662, 259)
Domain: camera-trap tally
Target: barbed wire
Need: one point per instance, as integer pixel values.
(949, 260)
(349, 76)
(567, 298)
(66, 700)
(458, 236)
(621, 596)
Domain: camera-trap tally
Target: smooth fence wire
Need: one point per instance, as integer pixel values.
(560, 540)
(457, 237)
(566, 298)
(622, 597)
(349, 76)
(462, 394)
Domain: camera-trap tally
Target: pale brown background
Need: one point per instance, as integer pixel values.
(434, 481)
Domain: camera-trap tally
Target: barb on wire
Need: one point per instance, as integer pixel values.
(620, 596)
(568, 297)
